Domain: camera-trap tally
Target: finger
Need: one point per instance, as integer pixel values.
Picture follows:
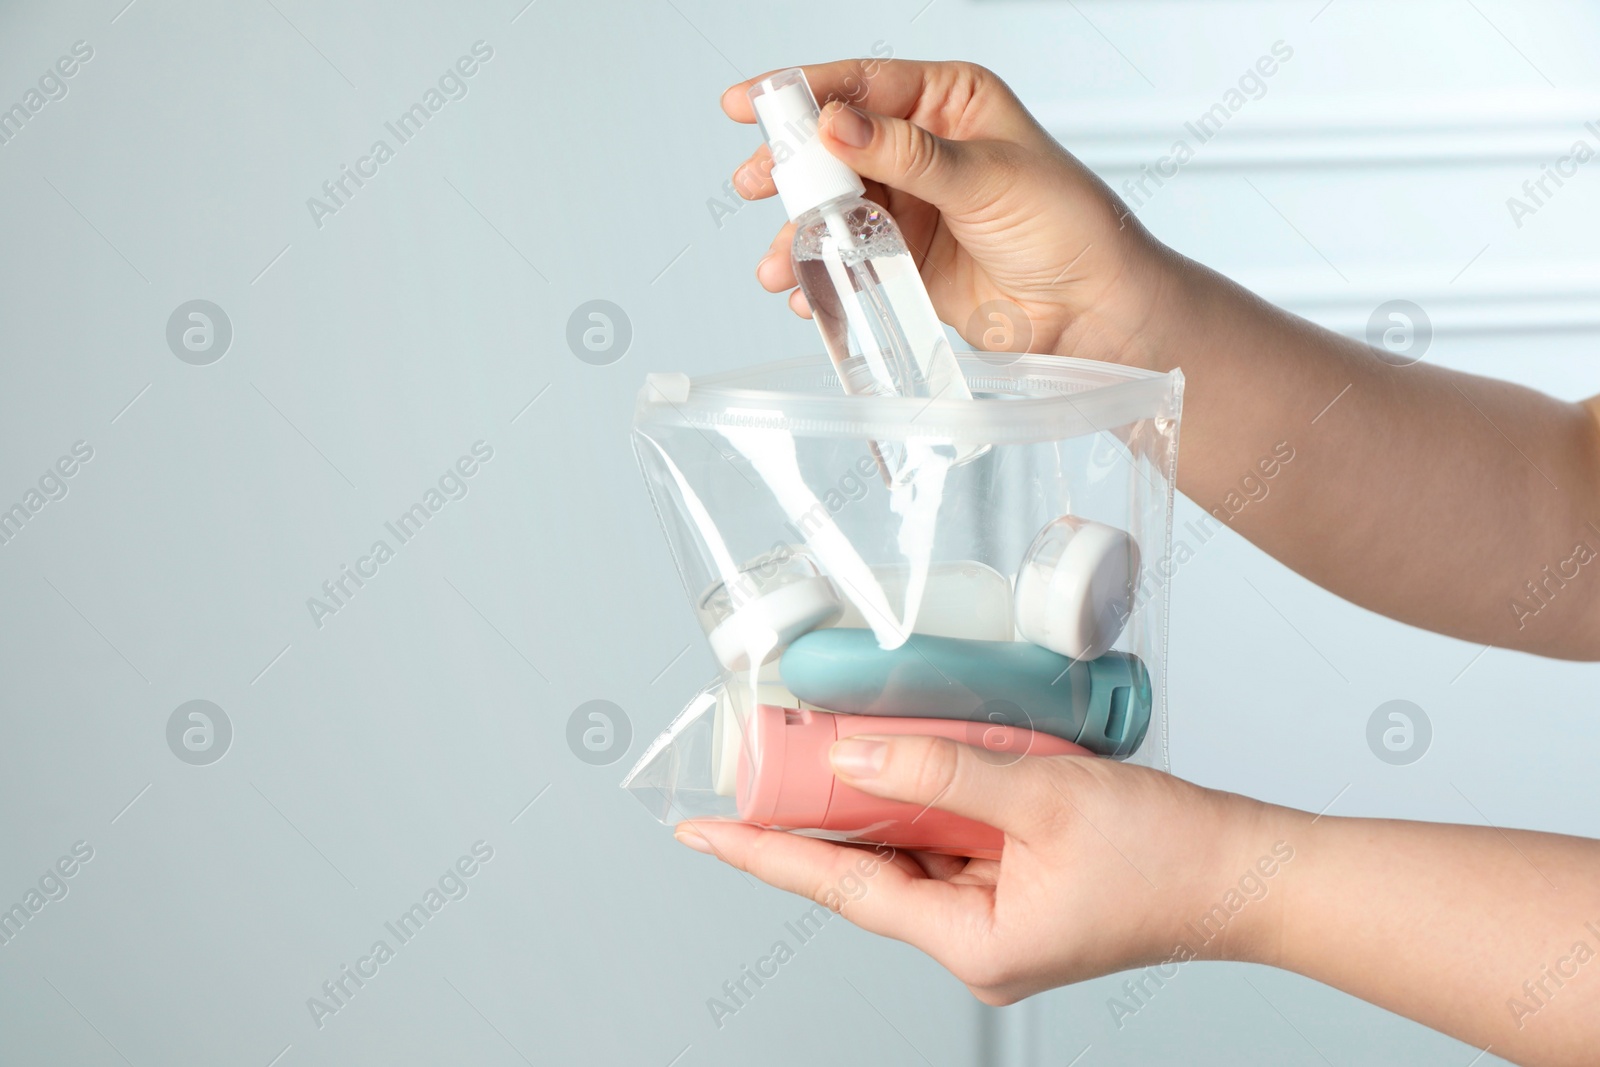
(938, 865)
(799, 305)
(957, 99)
(1010, 794)
(893, 86)
(865, 887)
(775, 272)
(950, 175)
(900, 857)
(752, 179)
(978, 872)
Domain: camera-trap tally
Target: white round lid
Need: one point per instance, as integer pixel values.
(1076, 586)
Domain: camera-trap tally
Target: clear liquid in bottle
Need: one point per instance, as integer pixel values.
(870, 305)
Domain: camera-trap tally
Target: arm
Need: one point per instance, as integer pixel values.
(1491, 936)
(1443, 924)
(1431, 496)
(1461, 504)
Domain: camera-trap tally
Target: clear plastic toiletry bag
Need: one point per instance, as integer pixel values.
(992, 570)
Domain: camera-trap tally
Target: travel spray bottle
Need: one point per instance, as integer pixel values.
(853, 264)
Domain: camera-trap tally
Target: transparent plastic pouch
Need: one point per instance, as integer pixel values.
(991, 570)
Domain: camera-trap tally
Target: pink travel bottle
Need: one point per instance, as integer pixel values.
(785, 779)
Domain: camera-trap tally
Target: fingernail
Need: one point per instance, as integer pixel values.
(851, 127)
(858, 759)
(745, 178)
(693, 840)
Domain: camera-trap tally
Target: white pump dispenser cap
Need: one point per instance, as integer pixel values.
(804, 171)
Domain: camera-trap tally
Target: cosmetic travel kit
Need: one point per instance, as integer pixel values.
(894, 538)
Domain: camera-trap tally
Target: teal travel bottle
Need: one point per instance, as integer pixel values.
(1102, 704)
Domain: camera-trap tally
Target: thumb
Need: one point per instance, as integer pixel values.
(1009, 793)
(904, 156)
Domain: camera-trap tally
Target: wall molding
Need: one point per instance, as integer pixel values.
(1557, 299)
(1373, 133)
(1474, 129)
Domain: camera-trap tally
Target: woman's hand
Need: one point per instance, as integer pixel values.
(1488, 935)
(1106, 866)
(1021, 246)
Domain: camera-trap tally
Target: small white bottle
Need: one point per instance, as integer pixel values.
(854, 266)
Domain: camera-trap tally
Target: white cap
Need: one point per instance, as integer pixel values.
(758, 631)
(1076, 586)
(803, 169)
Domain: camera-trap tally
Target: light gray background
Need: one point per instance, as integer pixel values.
(426, 315)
